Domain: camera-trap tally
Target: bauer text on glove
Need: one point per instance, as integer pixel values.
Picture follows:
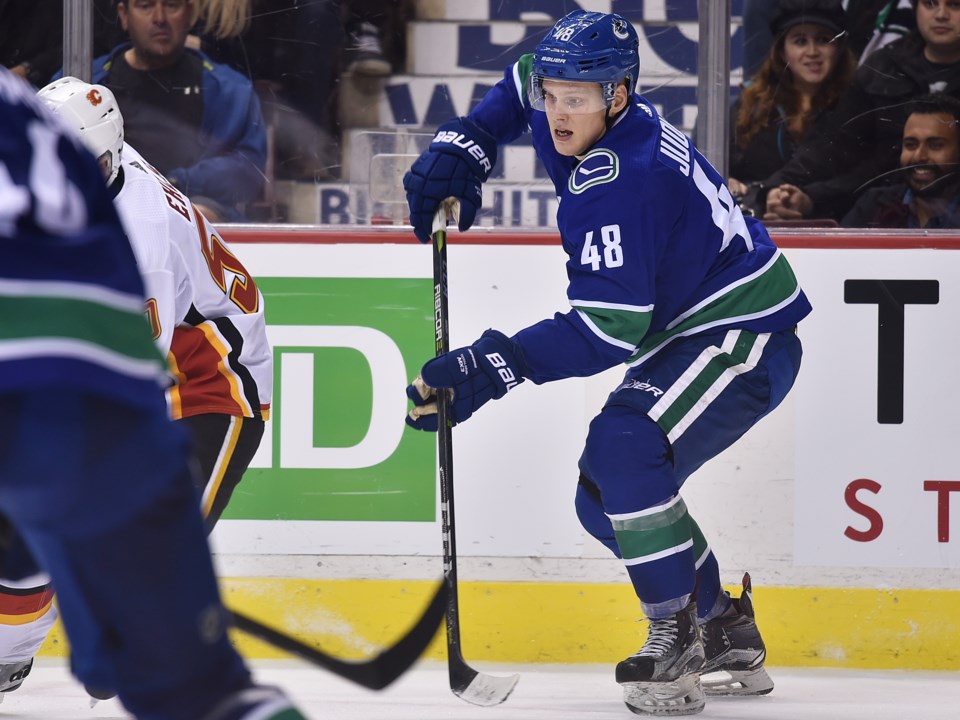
(474, 375)
(457, 163)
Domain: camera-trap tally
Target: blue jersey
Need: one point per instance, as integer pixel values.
(658, 249)
(71, 297)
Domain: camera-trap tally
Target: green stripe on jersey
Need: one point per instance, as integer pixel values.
(647, 537)
(627, 326)
(761, 295)
(121, 332)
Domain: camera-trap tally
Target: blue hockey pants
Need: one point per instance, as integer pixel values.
(669, 416)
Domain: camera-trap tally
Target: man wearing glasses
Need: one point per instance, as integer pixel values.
(198, 122)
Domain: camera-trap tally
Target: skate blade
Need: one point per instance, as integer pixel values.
(683, 696)
(736, 682)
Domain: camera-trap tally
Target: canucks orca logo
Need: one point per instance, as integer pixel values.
(597, 167)
(620, 29)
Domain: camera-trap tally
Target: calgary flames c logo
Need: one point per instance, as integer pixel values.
(94, 97)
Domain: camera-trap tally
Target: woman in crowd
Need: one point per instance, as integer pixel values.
(807, 70)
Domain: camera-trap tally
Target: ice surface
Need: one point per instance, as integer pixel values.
(544, 693)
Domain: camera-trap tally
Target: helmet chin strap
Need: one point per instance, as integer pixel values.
(609, 119)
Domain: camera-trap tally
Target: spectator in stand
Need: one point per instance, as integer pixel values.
(858, 144)
(806, 71)
(31, 39)
(198, 122)
(871, 24)
(928, 196)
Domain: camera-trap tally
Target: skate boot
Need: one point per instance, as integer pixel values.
(663, 677)
(734, 651)
(12, 675)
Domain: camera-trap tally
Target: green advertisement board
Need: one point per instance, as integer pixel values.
(338, 449)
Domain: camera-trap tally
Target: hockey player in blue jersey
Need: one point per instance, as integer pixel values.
(94, 478)
(665, 275)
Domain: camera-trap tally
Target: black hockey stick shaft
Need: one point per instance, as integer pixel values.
(445, 445)
(465, 682)
(376, 673)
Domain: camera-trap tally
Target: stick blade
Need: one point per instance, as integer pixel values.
(481, 689)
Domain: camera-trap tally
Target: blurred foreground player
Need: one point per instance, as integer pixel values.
(93, 476)
(207, 318)
(665, 275)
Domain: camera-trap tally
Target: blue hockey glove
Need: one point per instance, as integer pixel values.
(475, 374)
(457, 163)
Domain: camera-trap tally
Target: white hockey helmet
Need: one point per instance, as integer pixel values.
(92, 111)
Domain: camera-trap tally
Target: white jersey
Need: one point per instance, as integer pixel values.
(205, 310)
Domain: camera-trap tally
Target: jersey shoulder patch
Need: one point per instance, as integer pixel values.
(598, 167)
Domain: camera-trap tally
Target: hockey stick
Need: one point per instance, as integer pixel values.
(465, 682)
(375, 673)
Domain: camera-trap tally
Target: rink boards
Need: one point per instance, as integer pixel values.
(839, 503)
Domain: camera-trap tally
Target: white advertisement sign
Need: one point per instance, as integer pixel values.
(878, 403)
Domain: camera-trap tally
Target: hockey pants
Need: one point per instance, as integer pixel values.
(668, 417)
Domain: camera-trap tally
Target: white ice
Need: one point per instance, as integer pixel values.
(564, 692)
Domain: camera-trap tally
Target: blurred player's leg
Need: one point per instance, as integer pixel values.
(27, 613)
(110, 511)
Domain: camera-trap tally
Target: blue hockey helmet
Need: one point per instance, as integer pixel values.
(587, 47)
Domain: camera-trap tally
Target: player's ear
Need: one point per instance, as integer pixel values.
(620, 99)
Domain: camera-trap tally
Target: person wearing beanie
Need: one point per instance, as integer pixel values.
(804, 75)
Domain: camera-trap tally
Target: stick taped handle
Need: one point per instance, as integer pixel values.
(449, 208)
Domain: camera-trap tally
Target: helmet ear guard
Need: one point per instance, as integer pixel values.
(587, 47)
(90, 110)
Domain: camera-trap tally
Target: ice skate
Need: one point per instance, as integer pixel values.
(12, 675)
(663, 677)
(734, 651)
